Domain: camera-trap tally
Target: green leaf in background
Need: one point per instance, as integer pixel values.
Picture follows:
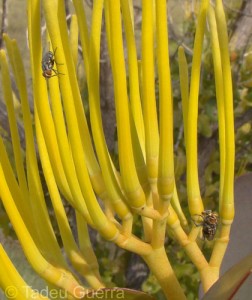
(205, 126)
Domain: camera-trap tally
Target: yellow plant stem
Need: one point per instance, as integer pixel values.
(209, 272)
(83, 130)
(37, 202)
(85, 244)
(65, 151)
(130, 181)
(160, 266)
(220, 247)
(184, 86)
(33, 222)
(20, 201)
(227, 205)
(147, 228)
(209, 276)
(12, 283)
(41, 96)
(193, 190)
(6, 284)
(7, 91)
(177, 207)
(143, 210)
(187, 242)
(166, 163)
(58, 276)
(139, 160)
(148, 91)
(219, 95)
(64, 175)
(133, 72)
(83, 264)
(71, 100)
(147, 222)
(83, 28)
(74, 34)
(159, 225)
(133, 244)
(115, 195)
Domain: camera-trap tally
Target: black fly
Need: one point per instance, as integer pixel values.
(209, 224)
(48, 61)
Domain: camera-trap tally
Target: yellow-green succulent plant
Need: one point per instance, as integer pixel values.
(76, 162)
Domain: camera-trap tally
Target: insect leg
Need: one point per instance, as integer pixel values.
(57, 73)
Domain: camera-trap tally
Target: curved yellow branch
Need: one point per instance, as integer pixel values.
(166, 160)
(130, 181)
(193, 190)
(148, 91)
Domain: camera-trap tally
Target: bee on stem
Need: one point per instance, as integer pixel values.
(209, 224)
(47, 63)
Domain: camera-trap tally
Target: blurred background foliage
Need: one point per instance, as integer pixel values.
(117, 267)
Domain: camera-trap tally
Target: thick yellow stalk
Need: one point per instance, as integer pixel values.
(166, 163)
(220, 247)
(115, 195)
(193, 190)
(148, 91)
(160, 266)
(227, 205)
(6, 284)
(135, 100)
(219, 96)
(133, 244)
(131, 185)
(191, 248)
(227, 202)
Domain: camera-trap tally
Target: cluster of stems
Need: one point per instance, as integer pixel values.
(76, 163)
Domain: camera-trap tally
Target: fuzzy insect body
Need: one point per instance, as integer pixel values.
(209, 224)
(47, 63)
